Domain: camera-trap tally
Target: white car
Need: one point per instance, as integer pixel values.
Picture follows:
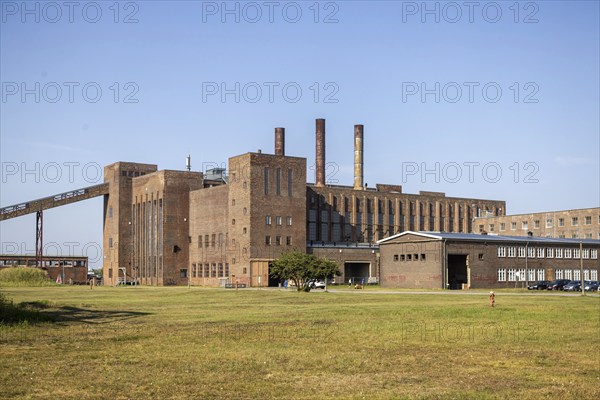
(316, 284)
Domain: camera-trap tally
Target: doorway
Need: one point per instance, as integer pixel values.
(457, 271)
(358, 272)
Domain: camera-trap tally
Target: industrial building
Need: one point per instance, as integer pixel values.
(580, 223)
(220, 227)
(434, 260)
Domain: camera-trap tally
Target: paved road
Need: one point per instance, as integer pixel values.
(441, 292)
(461, 292)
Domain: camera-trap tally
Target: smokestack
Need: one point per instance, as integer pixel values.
(320, 149)
(358, 156)
(280, 141)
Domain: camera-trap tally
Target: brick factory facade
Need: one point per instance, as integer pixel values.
(215, 228)
(581, 223)
(428, 260)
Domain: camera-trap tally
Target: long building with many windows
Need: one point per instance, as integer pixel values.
(580, 223)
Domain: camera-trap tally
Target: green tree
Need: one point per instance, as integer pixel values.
(301, 267)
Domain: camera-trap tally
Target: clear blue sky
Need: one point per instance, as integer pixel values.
(370, 61)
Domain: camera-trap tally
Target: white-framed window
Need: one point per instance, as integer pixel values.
(594, 254)
(561, 222)
(513, 226)
(568, 274)
(522, 252)
(524, 225)
(576, 275)
(536, 224)
(539, 252)
(575, 221)
(278, 220)
(268, 220)
(531, 252)
(594, 275)
(522, 274)
(502, 226)
(548, 222)
(511, 274)
(288, 221)
(559, 254)
(512, 251)
(501, 275)
(586, 274)
(541, 274)
(576, 253)
(558, 274)
(588, 220)
(501, 251)
(567, 253)
(531, 274)
(549, 252)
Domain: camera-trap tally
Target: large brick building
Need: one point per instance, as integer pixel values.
(580, 223)
(183, 227)
(429, 260)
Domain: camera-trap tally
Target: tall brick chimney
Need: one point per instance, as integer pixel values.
(320, 153)
(358, 156)
(280, 141)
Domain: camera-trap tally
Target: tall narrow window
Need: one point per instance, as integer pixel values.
(266, 175)
(278, 181)
(290, 182)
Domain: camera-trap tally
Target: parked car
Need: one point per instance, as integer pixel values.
(558, 284)
(539, 285)
(591, 286)
(573, 286)
(316, 284)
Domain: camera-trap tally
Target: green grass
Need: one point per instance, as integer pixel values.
(179, 343)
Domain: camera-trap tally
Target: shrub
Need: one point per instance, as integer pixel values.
(24, 276)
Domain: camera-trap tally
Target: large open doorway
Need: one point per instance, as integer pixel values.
(273, 281)
(357, 272)
(457, 271)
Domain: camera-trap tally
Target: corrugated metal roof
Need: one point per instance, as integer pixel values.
(492, 238)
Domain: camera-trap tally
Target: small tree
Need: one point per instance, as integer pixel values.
(300, 267)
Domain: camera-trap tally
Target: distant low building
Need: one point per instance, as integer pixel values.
(69, 269)
(429, 260)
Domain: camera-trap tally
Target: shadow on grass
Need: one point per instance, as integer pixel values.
(35, 312)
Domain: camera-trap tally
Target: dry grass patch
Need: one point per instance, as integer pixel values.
(175, 343)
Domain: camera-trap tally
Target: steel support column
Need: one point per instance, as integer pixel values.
(39, 238)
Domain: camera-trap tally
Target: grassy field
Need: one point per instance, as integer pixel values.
(179, 343)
